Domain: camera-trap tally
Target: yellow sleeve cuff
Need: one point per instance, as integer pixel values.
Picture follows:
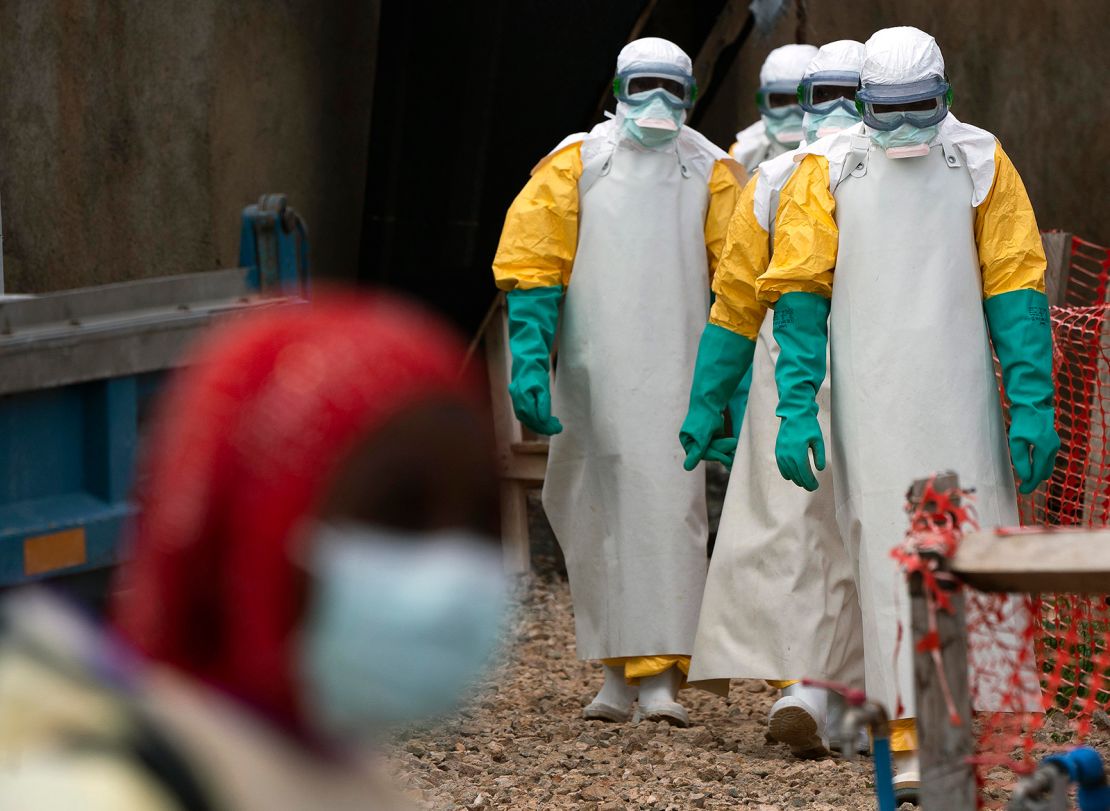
(743, 259)
(1011, 255)
(806, 235)
(540, 235)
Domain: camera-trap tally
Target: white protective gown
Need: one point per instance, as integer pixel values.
(780, 599)
(631, 522)
(753, 146)
(914, 389)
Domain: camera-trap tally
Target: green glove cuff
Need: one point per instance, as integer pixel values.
(533, 318)
(801, 328)
(1022, 336)
(724, 357)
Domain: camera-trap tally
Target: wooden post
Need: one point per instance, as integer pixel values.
(521, 461)
(1057, 250)
(947, 777)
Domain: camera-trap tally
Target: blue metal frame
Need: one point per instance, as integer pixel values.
(68, 455)
(273, 243)
(67, 451)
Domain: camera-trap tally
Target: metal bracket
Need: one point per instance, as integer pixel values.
(273, 243)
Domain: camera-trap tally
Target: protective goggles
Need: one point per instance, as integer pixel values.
(919, 104)
(777, 99)
(647, 81)
(829, 90)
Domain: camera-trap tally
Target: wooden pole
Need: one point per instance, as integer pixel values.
(947, 777)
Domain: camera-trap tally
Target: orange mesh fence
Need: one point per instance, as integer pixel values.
(1040, 663)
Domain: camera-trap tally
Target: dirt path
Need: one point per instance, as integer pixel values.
(523, 745)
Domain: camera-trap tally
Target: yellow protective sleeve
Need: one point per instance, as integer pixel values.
(724, 189)
(903, 735)
(806, 235)
(744, 258)
(1011, 255)
(781, 685)
(540, 235)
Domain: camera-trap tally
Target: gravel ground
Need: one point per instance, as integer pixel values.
(522, 744)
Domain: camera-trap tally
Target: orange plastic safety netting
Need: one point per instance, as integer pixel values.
(1040, 663)
(1063, 638)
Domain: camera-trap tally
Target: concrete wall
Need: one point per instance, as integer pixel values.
(132, 133)
(1031, 72)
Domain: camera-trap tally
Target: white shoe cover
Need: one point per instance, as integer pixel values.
(614, 701)
(907, 776)
(657, 698)
(798, 720)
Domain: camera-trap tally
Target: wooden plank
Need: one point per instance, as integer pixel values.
(529, 470)
(515, 542)
(499, 363)
(1057, 250)
(726, 29)
(539, 447)
(1045, 560)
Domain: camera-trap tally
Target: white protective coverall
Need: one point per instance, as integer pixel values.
(780, 599)
(907, 249)
(631, 522)
(786, 64)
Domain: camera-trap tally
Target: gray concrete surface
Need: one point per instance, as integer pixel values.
(132, 133)
(1031, 72)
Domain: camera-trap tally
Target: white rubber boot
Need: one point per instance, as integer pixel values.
(798, 720)
(843, 741)
(907, 776)
(657, 698)
(614, 702)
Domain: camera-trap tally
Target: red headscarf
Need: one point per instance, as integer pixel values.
(248, 437)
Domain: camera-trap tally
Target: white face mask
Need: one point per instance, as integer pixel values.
(905, 141)
(653, 123)
(818, 125)
(399, 626)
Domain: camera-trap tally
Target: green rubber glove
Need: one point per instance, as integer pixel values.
(738, 405)
(533, 317)
(1022, 337)
(801, 329)
(724, 357)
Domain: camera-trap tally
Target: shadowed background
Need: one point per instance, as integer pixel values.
(132, 133)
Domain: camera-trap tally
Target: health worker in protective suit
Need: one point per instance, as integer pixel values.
(913, 242)
(779, 128)
(612, 244)
(780, 598)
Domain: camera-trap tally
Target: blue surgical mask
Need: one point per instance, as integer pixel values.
(904, 135)
(398, 627)
(653, 122)
(785, 130)
(818, 125)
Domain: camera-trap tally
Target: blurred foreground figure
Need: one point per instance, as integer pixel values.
(911, 244)
(779, 128)
(628, 221)
(313, 564)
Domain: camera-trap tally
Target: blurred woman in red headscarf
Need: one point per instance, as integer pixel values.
(313, 563)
